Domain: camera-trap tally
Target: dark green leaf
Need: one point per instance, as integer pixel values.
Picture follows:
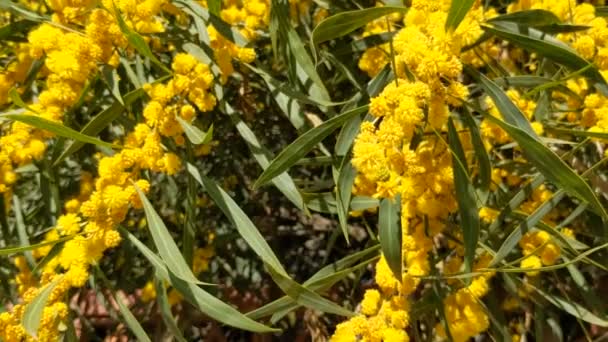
(101, 121)
(389, 228)
(56, 128)
(198, 297)
(194, 134)
(344, 187)
(526, 225)
(21, 249)
(302, 145)
(551, 165)
(573, 308)
(131, 321)
(240, 220)
(533, 17)
(138, 42)
(465, 196)
(165, 311)
(283, 182)
(168, 250)
(458, 10)
(215, 6)
(549, 47)
(601, 11)
(483, 159)
(306, 297)
(507, 108)
(344, 23)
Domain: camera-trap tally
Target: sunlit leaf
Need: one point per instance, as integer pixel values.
(34, 310)
(465, 196)
(458, 10)
(389, 228)
(344, 23)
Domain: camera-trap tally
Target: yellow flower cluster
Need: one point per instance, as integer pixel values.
(538, 250)
(591, 44)
(465, 316)
(375, 58)
(389, 163)
(94, 220)
(190, 84)
(71, 59)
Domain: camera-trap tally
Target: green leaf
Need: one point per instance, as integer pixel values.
(483, 159)
(526, 225)
(507, 108)
(465, 196)
(215, 308)
(303, 144)
(159, 265)
(549, 47)
(283, 182)
(551, 165)
(344, 188)
(318, 285)
(458, 10)
(562, 28)
(225, 29)
(198, 297)
(34, 310)
(20, 11)
(215, 6)
(323, 279)
(21, 249)
(168, 250)
(55, 250)
(56, 128)
(101, 121)
(194, 134)
(239, 219)
(516, 201)
(533, 17)
(165, 311)
(389, 228)
(306, 297)
(13, 94)
(344, 23)
(286, 90)
(304, 66)
(21, 229)
(138, 42)
(16, 31)
(573, 308)
(579, 133)
(601, 11)
(131, 321)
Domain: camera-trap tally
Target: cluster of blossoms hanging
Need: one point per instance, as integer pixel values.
(400, 155)
(71, 57)
(403, 153)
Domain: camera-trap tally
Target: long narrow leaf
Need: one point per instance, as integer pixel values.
(390, 234)
(241, 221)
(344, 23)
(301, 146)
(34, 310)
(168, 250)
(551, 165)
(458, 10)
(56, 128)
(465, 196)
